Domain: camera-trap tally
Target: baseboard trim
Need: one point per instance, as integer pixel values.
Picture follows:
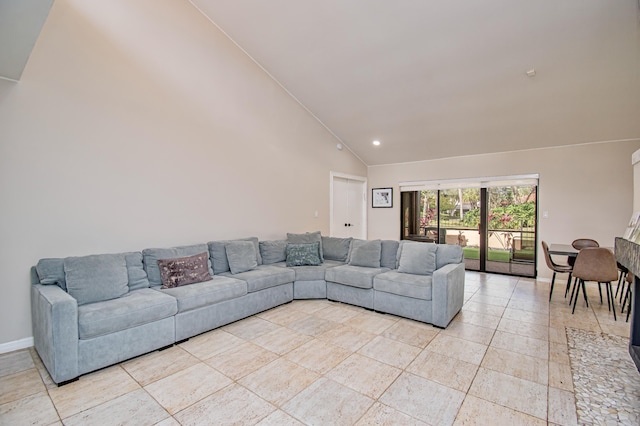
(16, 345)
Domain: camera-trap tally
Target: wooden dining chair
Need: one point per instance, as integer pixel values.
(556, 268)
(595, 264)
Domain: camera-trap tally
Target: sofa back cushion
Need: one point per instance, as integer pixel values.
(135, 270)
(96, 278)
(306, 238)
(51, 272)
(417, 258)
(448, 253)
(218, 253)
(365, 253)
(179, 271)
(388, 256)
(334, 248)
(152, 255)
(241, 256)
(273, 251)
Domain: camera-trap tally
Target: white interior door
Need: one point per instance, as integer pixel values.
(348, 206)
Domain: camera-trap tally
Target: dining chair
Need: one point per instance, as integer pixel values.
(556, 268)
(622, 280)
(579, 244)
(627, 295)
(595, 264)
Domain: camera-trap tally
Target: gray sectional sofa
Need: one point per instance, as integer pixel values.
(94, 311)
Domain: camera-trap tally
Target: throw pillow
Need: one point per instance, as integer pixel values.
(303, 254)
(184, 270)
(218, 254)
(96, 278)
(366, 253)
(306, 238)
(273, 251)
(417, 258)
(151, 256)
(241, 256)
(336, 248)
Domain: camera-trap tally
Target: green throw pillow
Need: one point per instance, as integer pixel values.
(303, 254)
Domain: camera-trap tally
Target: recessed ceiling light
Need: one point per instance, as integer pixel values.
(376, 143)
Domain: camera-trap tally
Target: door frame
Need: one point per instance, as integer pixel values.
(363, 182)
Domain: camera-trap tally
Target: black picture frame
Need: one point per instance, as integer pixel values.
(382, 198)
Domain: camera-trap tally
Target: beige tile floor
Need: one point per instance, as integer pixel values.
(502, 361)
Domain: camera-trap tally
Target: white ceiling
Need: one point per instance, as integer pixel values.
(433, 79)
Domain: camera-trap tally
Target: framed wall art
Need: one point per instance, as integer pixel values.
(382, 197)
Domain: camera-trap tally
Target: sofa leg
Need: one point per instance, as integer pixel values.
(66, 382)
(168, 346)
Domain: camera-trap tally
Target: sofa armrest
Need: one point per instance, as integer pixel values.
(54, 318)
(447, 294)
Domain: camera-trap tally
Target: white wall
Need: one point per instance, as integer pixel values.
(587, 189)
(138, 124)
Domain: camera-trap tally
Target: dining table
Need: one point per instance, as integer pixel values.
(563, 250)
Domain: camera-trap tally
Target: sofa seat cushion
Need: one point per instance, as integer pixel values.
(136, 308)
(265, 276)
(314, 273)
(217, 289)
(354, 276)
(409, 285)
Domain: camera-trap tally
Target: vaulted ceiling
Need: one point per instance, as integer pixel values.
(428, 78)
(432, 79)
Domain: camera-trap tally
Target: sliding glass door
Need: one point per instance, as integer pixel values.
(511, 238)
(493, 221)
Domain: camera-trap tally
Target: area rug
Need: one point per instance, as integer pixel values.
(606, 381)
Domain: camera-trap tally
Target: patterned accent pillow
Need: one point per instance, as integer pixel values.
(184, 270)
(303, 254)
(306, 238)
